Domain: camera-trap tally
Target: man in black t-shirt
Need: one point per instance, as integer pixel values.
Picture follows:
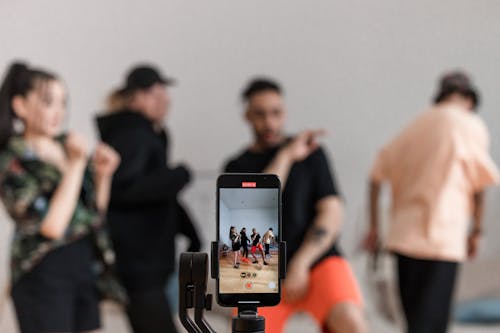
(257, 245)
(319, 280)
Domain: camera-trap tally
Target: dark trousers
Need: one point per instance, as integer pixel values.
(426, 290)
(267, 246)
(149, 312)
(245, 250)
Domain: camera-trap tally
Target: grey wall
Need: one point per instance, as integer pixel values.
(250, 208)
(261, 219)
(360, 69)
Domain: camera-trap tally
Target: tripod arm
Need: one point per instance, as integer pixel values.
(193, 274)
(193, 271)
(202, 301)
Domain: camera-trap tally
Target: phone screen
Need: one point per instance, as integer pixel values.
(248, 234)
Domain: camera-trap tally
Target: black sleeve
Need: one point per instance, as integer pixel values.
(232, 167)
(186, 227)
(156, 187)
(131, 184)
(324, 179)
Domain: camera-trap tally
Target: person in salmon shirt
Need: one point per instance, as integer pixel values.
(438, 168)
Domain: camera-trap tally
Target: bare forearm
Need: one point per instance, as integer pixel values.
(323, 233)
(280, 166)
(374, 204)
(63, 202)
(478, 212)
(103, 192)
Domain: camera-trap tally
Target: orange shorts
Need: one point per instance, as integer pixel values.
(254, 248)
(331, 282)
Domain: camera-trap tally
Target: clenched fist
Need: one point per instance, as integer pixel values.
(105, 160)
(76, 147)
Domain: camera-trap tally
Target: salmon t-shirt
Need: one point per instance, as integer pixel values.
(434, 167)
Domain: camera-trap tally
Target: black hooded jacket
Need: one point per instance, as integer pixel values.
(144, 214)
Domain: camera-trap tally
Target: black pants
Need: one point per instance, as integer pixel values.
(245, 250)
(267, 246)
(426, 289)
(59, 294)
(149, 312)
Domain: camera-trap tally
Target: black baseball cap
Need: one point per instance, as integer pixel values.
(457, 82)
(143, 77)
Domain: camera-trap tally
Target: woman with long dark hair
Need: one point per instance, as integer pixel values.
(144, 214)
(57, 203)
(234, 236)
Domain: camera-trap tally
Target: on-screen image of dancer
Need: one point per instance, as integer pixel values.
(257, 245)
(267, 239)
(244, 245)
(236, 245)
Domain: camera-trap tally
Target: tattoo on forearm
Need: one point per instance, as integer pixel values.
(316, 234)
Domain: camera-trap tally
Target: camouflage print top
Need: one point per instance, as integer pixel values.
(26, 187)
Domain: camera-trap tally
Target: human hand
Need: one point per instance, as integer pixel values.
(105, 160)
(473, 244)
(371, 241)
(303, 144)
(76, 147)
(296, 283)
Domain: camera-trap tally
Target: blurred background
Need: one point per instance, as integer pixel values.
(360, 69)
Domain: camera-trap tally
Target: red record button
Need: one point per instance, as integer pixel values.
(249, 285)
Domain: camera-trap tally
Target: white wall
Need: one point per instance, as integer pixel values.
(249, 208)
(359, 68)
(225, 218)
(260, 218)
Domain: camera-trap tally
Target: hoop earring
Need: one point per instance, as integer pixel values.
(18, 126)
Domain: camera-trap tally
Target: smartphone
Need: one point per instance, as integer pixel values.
(248, 238)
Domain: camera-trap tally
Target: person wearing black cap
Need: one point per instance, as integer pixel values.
(144, 213)
(438, 168)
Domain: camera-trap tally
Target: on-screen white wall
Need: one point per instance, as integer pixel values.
(259, 218)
